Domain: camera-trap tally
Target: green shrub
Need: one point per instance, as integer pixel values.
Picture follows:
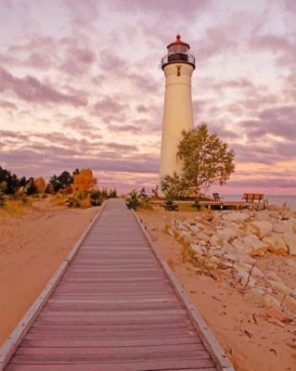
(169, 204)
(104, 193)
(132, 201)
(95, 198)
(144, 199)
(112, 193)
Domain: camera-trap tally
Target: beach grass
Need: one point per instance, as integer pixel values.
(15, 208)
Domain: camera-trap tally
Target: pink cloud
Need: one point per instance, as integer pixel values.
(78, 57)
(79, 124)
(166, 8)
(109, 61)
(290, 6)
(142, 109)
(144, 84)
(242, 83)
(215, 42)
(108, 106)
(279, 45)
(125, 128)
(32, 90)
(7, 104)
(83, 11)
(35, 52)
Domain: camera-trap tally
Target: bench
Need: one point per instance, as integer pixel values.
(216, 197)
(251, 197)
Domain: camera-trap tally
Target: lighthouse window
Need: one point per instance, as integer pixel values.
(178, 70)
(177, 49)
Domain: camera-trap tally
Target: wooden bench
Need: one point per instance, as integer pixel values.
(216, 197)
(251, 197)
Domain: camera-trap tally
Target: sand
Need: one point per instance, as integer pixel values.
(31, 248)
(252, 340)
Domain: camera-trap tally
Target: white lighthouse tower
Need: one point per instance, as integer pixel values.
(178, 66)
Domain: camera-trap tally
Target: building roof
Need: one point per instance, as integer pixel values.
(178, 41)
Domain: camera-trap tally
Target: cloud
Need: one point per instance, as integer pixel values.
(270, 183)
(78, 57)
(166, 9)
(8, 105)
(215, 42)
(125, 128)
(142, 109)
(290, 6)
(10, 134)
(54, 159)
(32, 90)
(72, 55)
(109, 61)
(222, 132)
(142, 83)
(268, 152)
(82, 126)
(37, 52)
(280, 46)
(240, 84)
(149, 125)
(279, 121)
(289, 89)
(83, 11)
(109, 109)
(255, 101)
(121, 147)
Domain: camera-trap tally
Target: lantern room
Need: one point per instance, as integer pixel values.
(178, 52)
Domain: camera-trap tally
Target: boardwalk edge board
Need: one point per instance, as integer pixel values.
(11, 343)
(208, 338)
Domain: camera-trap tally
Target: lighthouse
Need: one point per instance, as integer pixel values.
(178, 66)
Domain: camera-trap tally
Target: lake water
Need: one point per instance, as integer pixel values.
(272, 199)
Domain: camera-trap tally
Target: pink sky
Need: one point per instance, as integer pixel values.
(81, 86)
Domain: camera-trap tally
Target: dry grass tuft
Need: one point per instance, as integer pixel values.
(200, 263)
(187, 208)
(15, 208)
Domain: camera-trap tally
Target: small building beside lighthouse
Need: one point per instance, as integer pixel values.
(178, 66)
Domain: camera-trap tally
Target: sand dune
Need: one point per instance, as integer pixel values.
(31, 248)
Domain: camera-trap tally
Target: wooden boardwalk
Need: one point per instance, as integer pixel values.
(113, 309)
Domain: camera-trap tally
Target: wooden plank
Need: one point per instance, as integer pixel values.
(113, 357)
(79, 343)
(81, 328)
(109, 351)
(203, 365)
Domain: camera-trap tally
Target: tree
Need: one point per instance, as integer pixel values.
(9, 182)
(65, 179)
(31, 187)
(84, 180)
(40, 184)
(206, 160)
(60, 183)
(176, 187)
(53, 185)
